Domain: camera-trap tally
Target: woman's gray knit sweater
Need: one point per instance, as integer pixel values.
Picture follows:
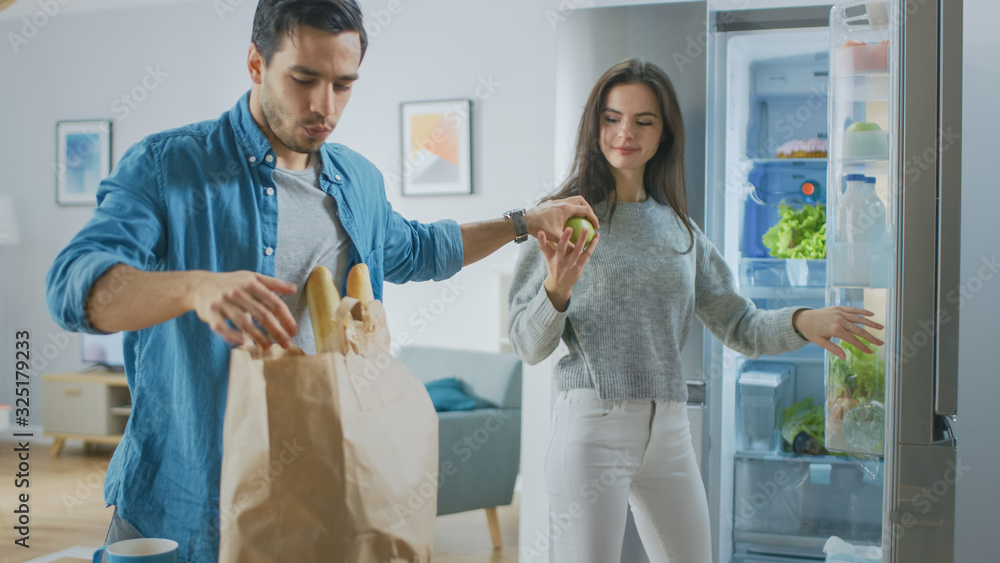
(633, 306)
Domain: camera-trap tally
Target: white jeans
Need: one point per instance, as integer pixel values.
(605, 455)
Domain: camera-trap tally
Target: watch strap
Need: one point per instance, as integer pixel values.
(520, 229)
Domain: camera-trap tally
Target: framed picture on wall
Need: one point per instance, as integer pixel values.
(437, 147)
(83, 159)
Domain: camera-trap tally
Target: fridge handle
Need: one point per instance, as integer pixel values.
(949, 151)
(696, 392)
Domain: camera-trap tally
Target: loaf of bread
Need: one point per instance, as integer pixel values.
(323, 300)
(359, 284)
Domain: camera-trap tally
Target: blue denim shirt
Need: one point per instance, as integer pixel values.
(196, 198)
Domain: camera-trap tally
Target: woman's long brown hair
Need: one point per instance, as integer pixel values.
(663, 179)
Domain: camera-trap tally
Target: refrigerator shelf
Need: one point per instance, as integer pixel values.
(755, 547)
(793, 161)
(808, 354)
(794, 458)
(778, 277)
(768, 558)
(784, 293)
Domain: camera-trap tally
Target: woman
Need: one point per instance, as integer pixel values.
(620, 431)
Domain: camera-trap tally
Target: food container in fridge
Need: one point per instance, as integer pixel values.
(764, 393)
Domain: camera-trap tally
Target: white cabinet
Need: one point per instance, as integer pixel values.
(92, 407)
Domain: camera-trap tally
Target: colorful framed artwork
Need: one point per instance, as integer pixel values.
(437, 147)
(83, 159)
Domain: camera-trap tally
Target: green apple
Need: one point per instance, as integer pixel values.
(863, 126)
(578, 224)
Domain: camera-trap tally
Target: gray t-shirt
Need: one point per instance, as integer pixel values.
(309, 234)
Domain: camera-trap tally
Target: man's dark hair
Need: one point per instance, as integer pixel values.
(276, 19)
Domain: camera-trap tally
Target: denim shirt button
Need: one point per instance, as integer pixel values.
(268, 251)
(336, 177)
(252, 159)
(269, 191)
(269, 158)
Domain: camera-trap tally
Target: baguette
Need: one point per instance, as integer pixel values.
(359, 284)
(323, 300)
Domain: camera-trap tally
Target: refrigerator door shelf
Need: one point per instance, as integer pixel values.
(863, 88)
(853, 60)
(866, 145)
(860, 265)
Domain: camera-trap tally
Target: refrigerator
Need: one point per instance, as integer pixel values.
(781, 100)
(845, 118)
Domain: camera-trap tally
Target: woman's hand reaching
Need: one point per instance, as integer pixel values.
(845, 323)
(565, 262)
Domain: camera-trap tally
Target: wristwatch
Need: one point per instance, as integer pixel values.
(520, 229)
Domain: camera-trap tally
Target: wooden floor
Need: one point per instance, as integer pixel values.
(67, 509)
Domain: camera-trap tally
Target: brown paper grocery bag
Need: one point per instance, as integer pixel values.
(332, 457)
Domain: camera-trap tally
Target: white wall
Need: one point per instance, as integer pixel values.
(977, 493)
(77, 66)
(502, 58)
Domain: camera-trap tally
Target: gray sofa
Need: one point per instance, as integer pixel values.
(480, 449)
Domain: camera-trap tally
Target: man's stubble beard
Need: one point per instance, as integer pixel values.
(278, 122)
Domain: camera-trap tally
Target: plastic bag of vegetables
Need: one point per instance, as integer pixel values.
(855, 402)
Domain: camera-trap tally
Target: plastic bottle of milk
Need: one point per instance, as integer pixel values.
(877, 210)
(880, 251)
(860, 223)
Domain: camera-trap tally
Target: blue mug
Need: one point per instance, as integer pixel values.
(138, 551)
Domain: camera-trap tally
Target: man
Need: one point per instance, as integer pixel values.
(202, 237)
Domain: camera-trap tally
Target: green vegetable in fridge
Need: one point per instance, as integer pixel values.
(799, 233)
(806, 417)
(860, 376)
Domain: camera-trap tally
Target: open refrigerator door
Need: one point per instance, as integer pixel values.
(894, 222)
(861, 219)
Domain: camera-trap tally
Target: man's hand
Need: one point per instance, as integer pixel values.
(481, 239)
(845, 323)
(248, 300)
(124, 298)
(551, 216)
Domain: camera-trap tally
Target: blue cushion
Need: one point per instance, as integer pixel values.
(448, 394)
